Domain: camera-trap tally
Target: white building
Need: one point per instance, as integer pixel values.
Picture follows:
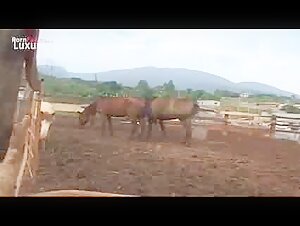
(244, 95)
(208, 103)
(297, 105)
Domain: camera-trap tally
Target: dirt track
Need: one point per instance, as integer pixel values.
(236, 164)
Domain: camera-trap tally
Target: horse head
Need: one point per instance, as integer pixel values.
(47, 119)
(83, 116)
(196, 108)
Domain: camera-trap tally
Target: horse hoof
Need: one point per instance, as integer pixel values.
(187, 144)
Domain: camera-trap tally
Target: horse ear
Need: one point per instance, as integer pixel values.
(196, 105)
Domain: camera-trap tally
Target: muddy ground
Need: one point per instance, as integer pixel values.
(238, 162)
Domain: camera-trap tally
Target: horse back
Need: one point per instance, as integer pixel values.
(165, 108)
(114, 106)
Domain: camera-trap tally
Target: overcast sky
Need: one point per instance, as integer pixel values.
(267, 56)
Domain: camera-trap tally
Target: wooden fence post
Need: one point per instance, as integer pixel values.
(226, 119)
(36, 132)
(273, 125)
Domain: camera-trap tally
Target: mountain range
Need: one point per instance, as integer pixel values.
(182, 79)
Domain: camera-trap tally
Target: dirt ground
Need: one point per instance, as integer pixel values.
(235, 162)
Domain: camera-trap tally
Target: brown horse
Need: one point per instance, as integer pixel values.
(160, 109)
(88, 114)
(11, 66)
(108, 107)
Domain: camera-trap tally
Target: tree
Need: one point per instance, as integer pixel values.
(208, 96)
(114, 87)
(198, 93)
(189, 93)
(143, 84)
(169, 89)
(110, 88)
(225, 93)
(143, 89)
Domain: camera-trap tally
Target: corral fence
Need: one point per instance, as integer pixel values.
(286, 125)
(279, 125)
(22, 156)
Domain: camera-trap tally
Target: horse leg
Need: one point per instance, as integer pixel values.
(184, 125)
(92, 120)
(134, 127)
(110, 125)
(103, 125)
(143, 126)
(150, 121)
(162, 127)
(188, 136)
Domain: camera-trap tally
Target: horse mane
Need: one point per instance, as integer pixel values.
(91, 108)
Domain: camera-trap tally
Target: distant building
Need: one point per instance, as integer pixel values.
(281, 106)
(208, 103)
(244, 95)
(297, 105)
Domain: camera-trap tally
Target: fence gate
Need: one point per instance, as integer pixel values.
(22, 157)
(287, 125)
